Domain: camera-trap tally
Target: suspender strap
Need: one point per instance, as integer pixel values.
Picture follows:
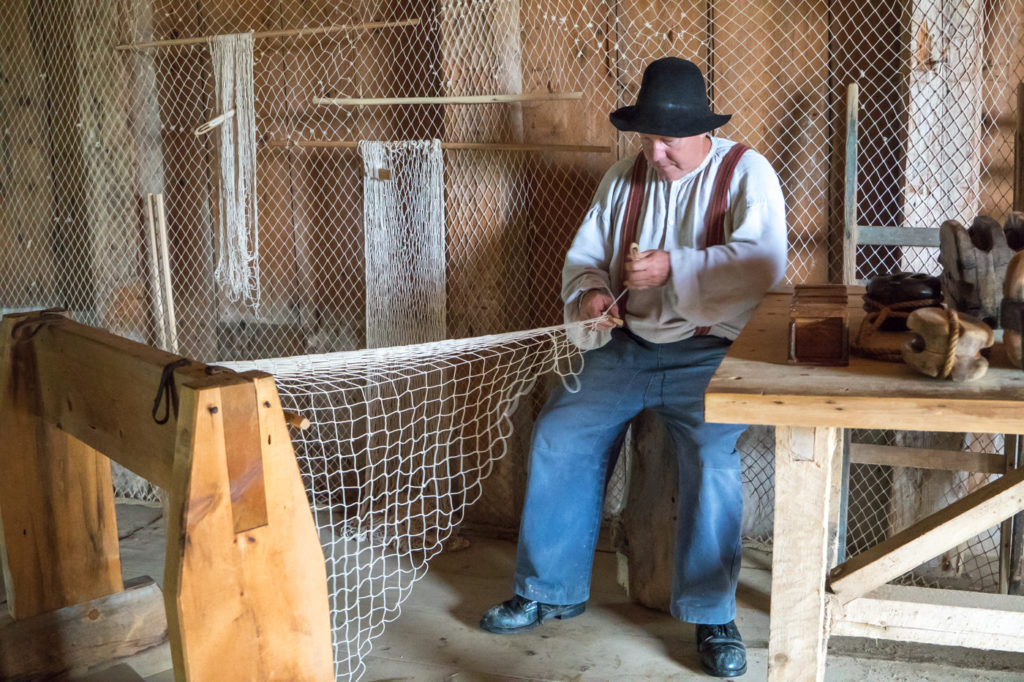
(634, 202)
(714, 219)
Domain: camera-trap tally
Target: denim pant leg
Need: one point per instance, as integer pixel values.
(573, 446)
(710, 499)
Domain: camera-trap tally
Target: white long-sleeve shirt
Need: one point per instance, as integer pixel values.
(718, 286)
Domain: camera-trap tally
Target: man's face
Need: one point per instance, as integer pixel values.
(673, 157)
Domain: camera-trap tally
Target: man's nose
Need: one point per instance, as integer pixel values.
(657, 151)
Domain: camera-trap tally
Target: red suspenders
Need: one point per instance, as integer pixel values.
(714, 219)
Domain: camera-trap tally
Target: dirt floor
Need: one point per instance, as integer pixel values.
(436, 637)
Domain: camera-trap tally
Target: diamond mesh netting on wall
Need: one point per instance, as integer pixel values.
(100, 101)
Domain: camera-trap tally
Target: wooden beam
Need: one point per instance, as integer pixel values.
(85, 637)
(101, 388)
(965, 518)
(945, 617)
(924, 458)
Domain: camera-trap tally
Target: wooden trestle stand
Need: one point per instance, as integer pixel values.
(245, 586)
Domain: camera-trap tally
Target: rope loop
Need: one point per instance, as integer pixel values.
(167, 392)
(953, 326)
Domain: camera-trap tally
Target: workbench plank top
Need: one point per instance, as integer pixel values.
(756, 385)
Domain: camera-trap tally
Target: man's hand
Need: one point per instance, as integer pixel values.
(594, 304)
(647, 269)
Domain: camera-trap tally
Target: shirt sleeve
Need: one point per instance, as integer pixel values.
(721, 283)
(588, 261)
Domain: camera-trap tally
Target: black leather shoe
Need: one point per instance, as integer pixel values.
(519, 615)
(722, 653)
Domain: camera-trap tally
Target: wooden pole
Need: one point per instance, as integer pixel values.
(172, 332)
(850, 207)
(1018, 150)
(156, 291)
(291, 33)
(467, 146)
(451, 99)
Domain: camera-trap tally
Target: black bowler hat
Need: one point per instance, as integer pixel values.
(672, 102)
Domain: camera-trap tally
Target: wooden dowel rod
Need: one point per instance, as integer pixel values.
(473, 146)
(1018, 153)
(452, 99)
(154, 277)
(296, 420)
(172, 330)
(297, 33)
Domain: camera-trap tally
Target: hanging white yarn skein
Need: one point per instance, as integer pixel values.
(237, 271)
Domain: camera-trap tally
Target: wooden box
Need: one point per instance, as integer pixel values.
(819, 326)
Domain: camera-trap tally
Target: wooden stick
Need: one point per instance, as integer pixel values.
(154, 277)
(466, 146)
(1018, 153)
(451, 99)
(296, 420)
(850, 208)
(168, 292)
(296, 33)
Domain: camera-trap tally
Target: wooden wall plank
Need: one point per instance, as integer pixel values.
(26, 188)
(776, 94)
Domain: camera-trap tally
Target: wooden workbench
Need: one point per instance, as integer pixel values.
(809, 406)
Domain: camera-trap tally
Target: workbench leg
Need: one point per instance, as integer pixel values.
(805, 461)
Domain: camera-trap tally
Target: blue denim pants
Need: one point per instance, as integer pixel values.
(575, 444)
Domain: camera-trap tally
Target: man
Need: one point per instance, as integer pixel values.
(708, 222)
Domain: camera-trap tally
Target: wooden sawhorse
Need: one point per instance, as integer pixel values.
(245, 586)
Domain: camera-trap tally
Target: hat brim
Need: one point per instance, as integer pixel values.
(637, 120)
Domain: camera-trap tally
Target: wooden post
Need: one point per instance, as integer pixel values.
(805, 460)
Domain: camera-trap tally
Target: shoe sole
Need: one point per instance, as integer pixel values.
(572, 613)
(718, 673)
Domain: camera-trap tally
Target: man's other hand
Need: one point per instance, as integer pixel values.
(648, 269)
(594, 304)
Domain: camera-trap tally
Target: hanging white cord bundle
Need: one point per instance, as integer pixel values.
(237, 270)
(404, 247)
